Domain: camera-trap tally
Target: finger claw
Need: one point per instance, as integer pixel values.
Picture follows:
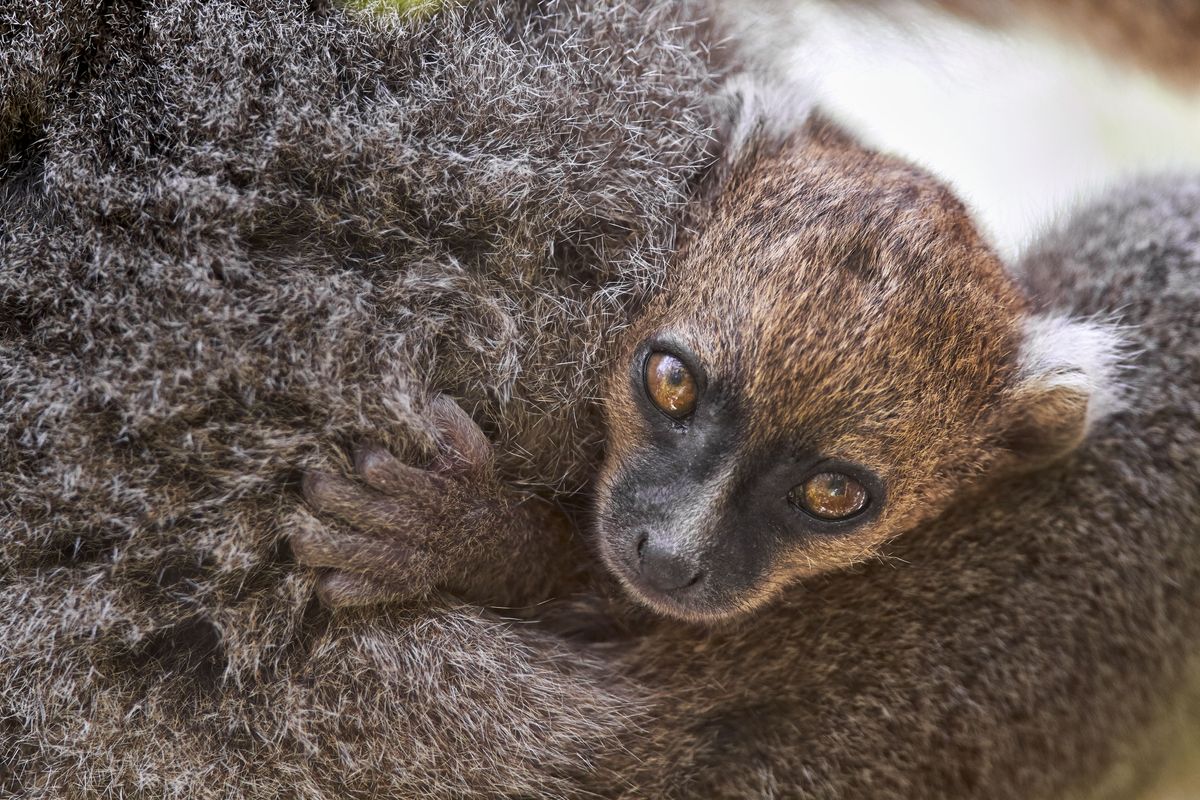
(373, 462)
(471, 449)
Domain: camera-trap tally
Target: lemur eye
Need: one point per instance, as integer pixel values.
(830, 496)
(670, 385)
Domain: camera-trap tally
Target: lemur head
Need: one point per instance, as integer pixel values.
(836, 357)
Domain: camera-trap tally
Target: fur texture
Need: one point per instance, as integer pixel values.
(1025, 642)
(235, 238)
(240, 236)
(1023, 638)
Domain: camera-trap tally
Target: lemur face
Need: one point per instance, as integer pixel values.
(827, 369)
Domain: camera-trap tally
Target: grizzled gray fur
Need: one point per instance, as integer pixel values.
(236, 238)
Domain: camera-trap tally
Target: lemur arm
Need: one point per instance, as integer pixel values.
(453, 526)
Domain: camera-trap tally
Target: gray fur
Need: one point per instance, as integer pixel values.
(236, 238)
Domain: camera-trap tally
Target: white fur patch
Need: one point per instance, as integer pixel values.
(1084, 355)
(761, 106)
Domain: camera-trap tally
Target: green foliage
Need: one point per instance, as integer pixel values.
(418, 9)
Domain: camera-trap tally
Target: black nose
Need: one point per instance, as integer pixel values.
(663, 567)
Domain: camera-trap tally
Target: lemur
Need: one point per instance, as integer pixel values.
(837, 357)
(1025, 641)
(1017, 646)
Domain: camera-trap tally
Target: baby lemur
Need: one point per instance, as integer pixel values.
(837, 356)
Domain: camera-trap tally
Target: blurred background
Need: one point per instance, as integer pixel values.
(1023, 125)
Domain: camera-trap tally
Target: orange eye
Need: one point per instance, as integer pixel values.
(831, 496)
(670, 385)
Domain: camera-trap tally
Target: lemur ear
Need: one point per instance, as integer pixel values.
(754, 111)
(759, 107)
(1067, 380)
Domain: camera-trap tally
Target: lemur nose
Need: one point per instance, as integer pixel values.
(663, 567)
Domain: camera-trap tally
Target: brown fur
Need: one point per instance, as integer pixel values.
(831, 282)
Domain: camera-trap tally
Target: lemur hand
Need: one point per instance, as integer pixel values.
(452, 526)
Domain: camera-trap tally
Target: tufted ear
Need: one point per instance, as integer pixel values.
(1067, 379)
(754, 112)
(758, 108)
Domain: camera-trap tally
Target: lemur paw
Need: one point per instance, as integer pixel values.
(408, 526)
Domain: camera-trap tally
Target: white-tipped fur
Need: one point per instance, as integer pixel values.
(1081, 355)
(763, 107)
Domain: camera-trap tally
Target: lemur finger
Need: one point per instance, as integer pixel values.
(383, 471)
(348, 590)
(318, 546)
(468, 448)
(404, 509)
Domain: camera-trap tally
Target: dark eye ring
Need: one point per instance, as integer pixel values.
(831, 496)
(670, 385)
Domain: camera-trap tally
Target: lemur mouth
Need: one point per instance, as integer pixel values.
(680, 603)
